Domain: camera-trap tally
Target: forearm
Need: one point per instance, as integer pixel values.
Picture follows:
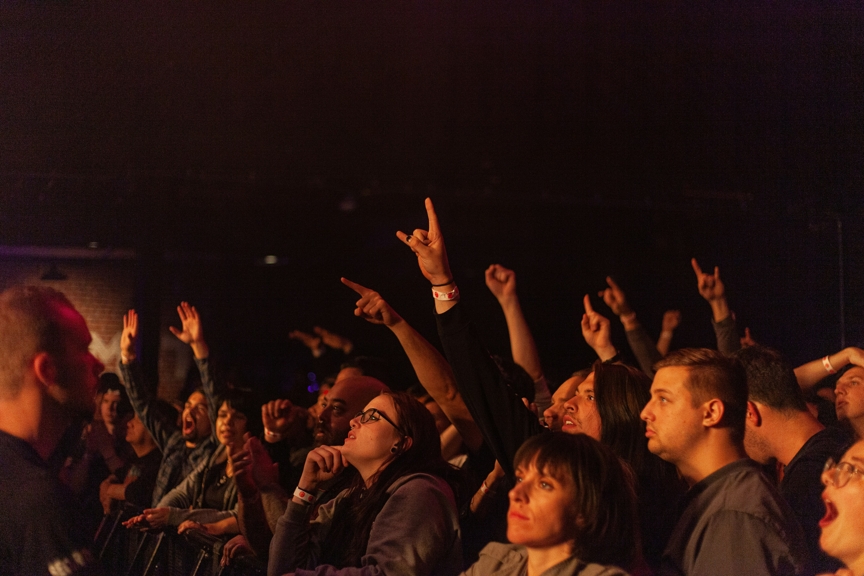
(495, 407)
(522, 345)
(720, 308)
(290, 547)
(227, 526)
(143, 400)
(436, 376)
(813, 372)
(664, 342)
(643, 348)
(726, 332)
(253, 524)
(201, 515)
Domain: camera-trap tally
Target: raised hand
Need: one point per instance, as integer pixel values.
(671, 320)
(430, 250)
(501, 282)
(322, 464)
(241, 467)
(614, 297)
(747, 339)
(313, 342)
(264, 471)
(191, 331)
(128, 336)
(334, 340)
(278, 417)
(710, 286)
(372, 307)
(597, 331)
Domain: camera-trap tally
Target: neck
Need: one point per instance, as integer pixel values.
(706, 457)
(143, 448)
(856, 566)
(35, 418)
(857, 427)
(791, 434)
(369, 470)
(541, 559)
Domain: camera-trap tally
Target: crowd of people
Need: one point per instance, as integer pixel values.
(696, 462)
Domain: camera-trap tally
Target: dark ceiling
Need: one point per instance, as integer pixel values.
(568, 139)
(277, 110)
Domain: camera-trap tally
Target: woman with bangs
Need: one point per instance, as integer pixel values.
(572, 512)
(399, 515)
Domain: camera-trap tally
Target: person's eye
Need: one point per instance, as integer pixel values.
(545, 485)
(518, 479)
(338, 411)
(591, 397)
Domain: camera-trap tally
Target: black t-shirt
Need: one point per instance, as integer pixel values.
(39, 517)
(802, 488)
(215, 485)
(140, 491)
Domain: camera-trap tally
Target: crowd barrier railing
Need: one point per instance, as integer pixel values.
(127, 552)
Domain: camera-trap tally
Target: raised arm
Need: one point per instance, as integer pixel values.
(712, 289)
(502, 417)
(140, 394)
(501, 282)
(432, 370)
(642, 345)
(191, 332)
(671, 320)
(597, 332)
(813, 372)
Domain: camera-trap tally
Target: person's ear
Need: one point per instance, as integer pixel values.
(406, 443)
(754, 416)
(713, 411)
(45, 369)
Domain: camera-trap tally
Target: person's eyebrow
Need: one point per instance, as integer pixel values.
(857, 459)
(660, 391)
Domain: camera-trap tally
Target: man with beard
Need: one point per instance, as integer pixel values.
(48, 380)
(262, 499)
(183, 449)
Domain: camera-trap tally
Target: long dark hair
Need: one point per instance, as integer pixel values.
(604, 498)
(621, 392)
(346, 542)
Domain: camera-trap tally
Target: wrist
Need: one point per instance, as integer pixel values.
(271, 436)
(200, 349)
(720, 308)
(606, 353)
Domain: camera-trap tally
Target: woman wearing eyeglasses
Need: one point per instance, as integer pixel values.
(843, 523)
(399, 515)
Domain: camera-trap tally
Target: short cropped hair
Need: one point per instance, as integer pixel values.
(31, 321)
(604, 499)
(771, 380)
(714, 375)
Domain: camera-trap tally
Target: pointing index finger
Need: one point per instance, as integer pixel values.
(612, 283)
(587, 301)
(433, 218)
(361, 290)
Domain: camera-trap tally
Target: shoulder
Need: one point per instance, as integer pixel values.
(496, 555)
(420, 482)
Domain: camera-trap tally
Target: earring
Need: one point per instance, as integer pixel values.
(394, 449)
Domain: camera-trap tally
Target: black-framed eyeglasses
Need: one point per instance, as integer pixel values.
(374, 415)
(838, 474)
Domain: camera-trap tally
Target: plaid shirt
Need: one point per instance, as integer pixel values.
(178, 460)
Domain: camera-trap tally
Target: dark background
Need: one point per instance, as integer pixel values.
(566, 140)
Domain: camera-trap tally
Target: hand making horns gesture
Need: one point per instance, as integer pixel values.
(430, 250)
